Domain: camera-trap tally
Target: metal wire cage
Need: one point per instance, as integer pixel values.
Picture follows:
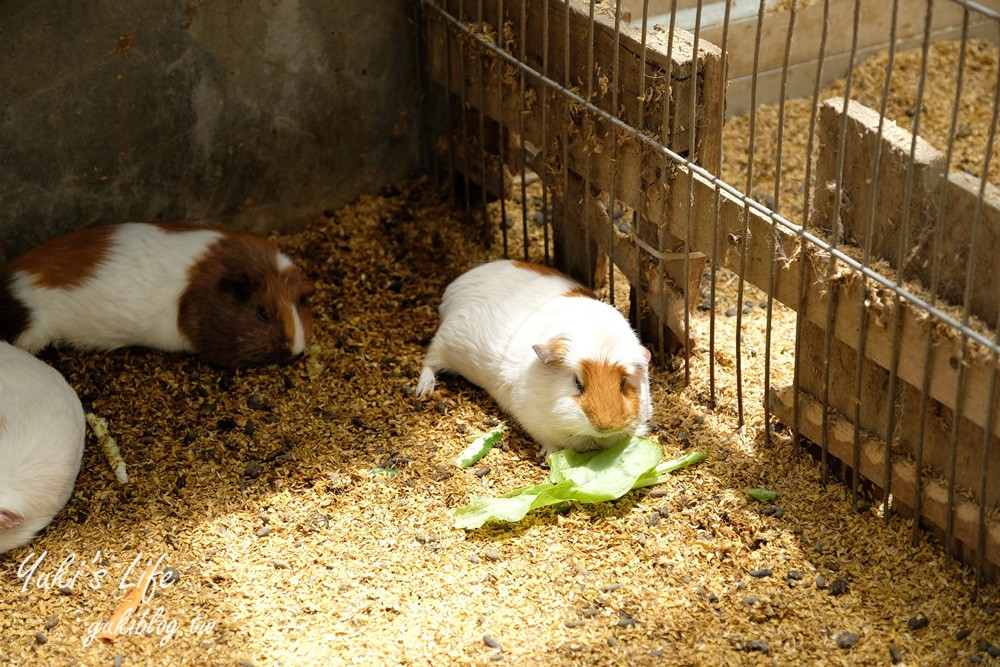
(835, 155)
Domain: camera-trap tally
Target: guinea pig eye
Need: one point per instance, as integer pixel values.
(262, 314)
(579, 385)
(303, 299)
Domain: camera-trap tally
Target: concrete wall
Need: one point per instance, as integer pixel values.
(249, 113)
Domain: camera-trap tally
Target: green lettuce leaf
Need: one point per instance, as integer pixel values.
(586, 477)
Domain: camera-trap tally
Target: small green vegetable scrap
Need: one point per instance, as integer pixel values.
(762, 495)
(477, 448)
(587, 477)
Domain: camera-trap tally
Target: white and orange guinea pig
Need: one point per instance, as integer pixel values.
(231, 297)
(41, 444)
(566, 366)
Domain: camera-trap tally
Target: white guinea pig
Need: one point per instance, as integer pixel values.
(566, 366)
(229, 296)
(41, 444)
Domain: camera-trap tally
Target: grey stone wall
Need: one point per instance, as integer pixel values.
(252, 114)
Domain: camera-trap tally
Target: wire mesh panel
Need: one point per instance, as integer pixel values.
(829, 161)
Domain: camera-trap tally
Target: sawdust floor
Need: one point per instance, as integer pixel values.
(258, 487)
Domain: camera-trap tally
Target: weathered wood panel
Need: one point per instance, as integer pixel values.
(935, 505)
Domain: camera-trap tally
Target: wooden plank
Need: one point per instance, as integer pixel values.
(667, 300)
(928, 179)
(874, 405)
(641, 77)
(934, 503)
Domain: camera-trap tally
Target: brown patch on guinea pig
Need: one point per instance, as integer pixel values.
(235, 308)
(581, 291)
(177, 227)
(543, 270)
(610, 402)
(65, 261)
(553, 351)
(14, 317)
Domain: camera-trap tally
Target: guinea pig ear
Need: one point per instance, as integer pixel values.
(10, 518)
(239, 286)
(552, 352)
(646, 356)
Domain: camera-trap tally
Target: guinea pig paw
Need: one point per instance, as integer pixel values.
(425, 386)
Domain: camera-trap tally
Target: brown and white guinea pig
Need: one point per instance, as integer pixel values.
(231, 297)
(41, 444)
(566, 366)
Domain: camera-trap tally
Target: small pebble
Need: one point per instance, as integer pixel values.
(253, 401)
(252, 470)
(51, 623)
(796, 575)
(171, 575)
(713, 598)
(627, 623)
(590, 612)
(226, 424)
(245, 662)
(483, 472)
(894, 654)
(658, 493)
(263, 530)
(961, 634)
(65, 590)
(492, 555)
(820, 582)
(612, 642)
(654, 520)
(993, 651)
(975, 658)
(40, 637)
(760, 574)
(118, 661)
(759, 645)
(496, 657)
(280, 564)
(839, 586)
(750, 601)
(539, 218)
(918, 622)
(473, 558)
(611, 587)
(698, 419)
(730, 312)
(574, 624)
(847, 639)
(289, 382)
(489, 641)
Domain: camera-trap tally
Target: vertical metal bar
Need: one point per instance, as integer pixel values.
(692, 131)
(614, 151)
(835, 232)
(935, 282)
(970, 274)
(641, 123)
(521, 115)
(873, 178)
(566, 117)
(544, 148)
(483, 176)
(803, 253)
(587, 165)
(668, 166)
(717, 205)
(744, 237)
(466, 152)
(449, 122)
(501, 147)
(777, 205)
